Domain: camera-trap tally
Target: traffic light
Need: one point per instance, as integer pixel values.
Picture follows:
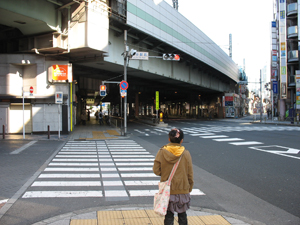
(102, 90)
(171, 56)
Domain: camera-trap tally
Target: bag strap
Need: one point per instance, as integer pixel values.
(174, 170)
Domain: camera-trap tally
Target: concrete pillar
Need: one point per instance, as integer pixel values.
(136, 105)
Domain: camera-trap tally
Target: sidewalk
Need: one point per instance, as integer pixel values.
(144, 215)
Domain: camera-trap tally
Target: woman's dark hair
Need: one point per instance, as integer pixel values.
(175, 135)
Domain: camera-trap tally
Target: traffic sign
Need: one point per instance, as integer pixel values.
(123, 85)
(141, 56)
(123, 93)
(31, 90)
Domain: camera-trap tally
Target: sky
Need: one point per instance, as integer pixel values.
(249, 22)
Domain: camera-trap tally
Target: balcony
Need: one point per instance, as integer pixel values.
(292, 31)
(293, 56)
(292, 9)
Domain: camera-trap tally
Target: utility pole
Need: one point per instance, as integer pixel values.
(125, 78)
(261, 108)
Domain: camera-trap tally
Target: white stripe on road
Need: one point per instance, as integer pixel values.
(133, 156)
(246, 143)
(71, 169)
(66, 183)
(141, 182)
(119, 193)
(134, 164)
(135, 168)
(113, 183)
(215, 136)
(19, 150)
(133, 160)
(137, 193)
(73, 164)
(76, 160)
(59, 175)
(201, 134)
(62, 194)
(138, 175)
(229, 139)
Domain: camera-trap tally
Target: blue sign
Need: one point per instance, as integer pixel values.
(275, 87)
(273, 23)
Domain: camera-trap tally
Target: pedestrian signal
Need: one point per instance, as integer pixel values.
(102, 90)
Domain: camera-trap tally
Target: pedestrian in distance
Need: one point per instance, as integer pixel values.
(100, 118)
(182, 182)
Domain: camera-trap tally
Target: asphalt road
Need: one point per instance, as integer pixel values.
(250, 170)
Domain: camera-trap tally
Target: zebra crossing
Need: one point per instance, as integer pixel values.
(212, 132)
(108, 168)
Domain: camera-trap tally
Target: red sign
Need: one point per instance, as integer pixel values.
(123, 85)
(31, 90)
(59, 72)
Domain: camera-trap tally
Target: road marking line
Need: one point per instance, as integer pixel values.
(72, 169)
(141, 182)
(132, 156)
(59, 175)
(75, 160)
(216, 136)
(135, 168)
(113, 183)
(201, 134)
(19, 150)
(66, 183)
(229, 139)
(73, 164)
(61, 194)
(119, 193)
(246, 143)
(138, 175)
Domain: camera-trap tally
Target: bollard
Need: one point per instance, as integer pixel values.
(3, 130)
(48, 132)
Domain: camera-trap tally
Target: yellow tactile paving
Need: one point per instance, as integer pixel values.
(195, 220)
(84, 222)
(213, 220)
(145, 217)
(109, 215)
(137, 221)
(134, 214)
(113, 132)
(152, 214)
(157, 221)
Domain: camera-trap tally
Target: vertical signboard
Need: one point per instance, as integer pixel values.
(274, 51)
(157, 100)
(283, 49)
(297, 89)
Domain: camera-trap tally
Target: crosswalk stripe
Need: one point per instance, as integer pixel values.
(201, 134)
(70, 175)
(71, 169)
(215, 136)
(246, 143)
(229, 139)
(62, 194)
(135, 168)
(141, 182)
(73, 164)
(66, 183)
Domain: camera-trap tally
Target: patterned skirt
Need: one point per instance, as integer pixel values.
(179, 203)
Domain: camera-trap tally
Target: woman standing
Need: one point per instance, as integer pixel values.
(182, 182)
